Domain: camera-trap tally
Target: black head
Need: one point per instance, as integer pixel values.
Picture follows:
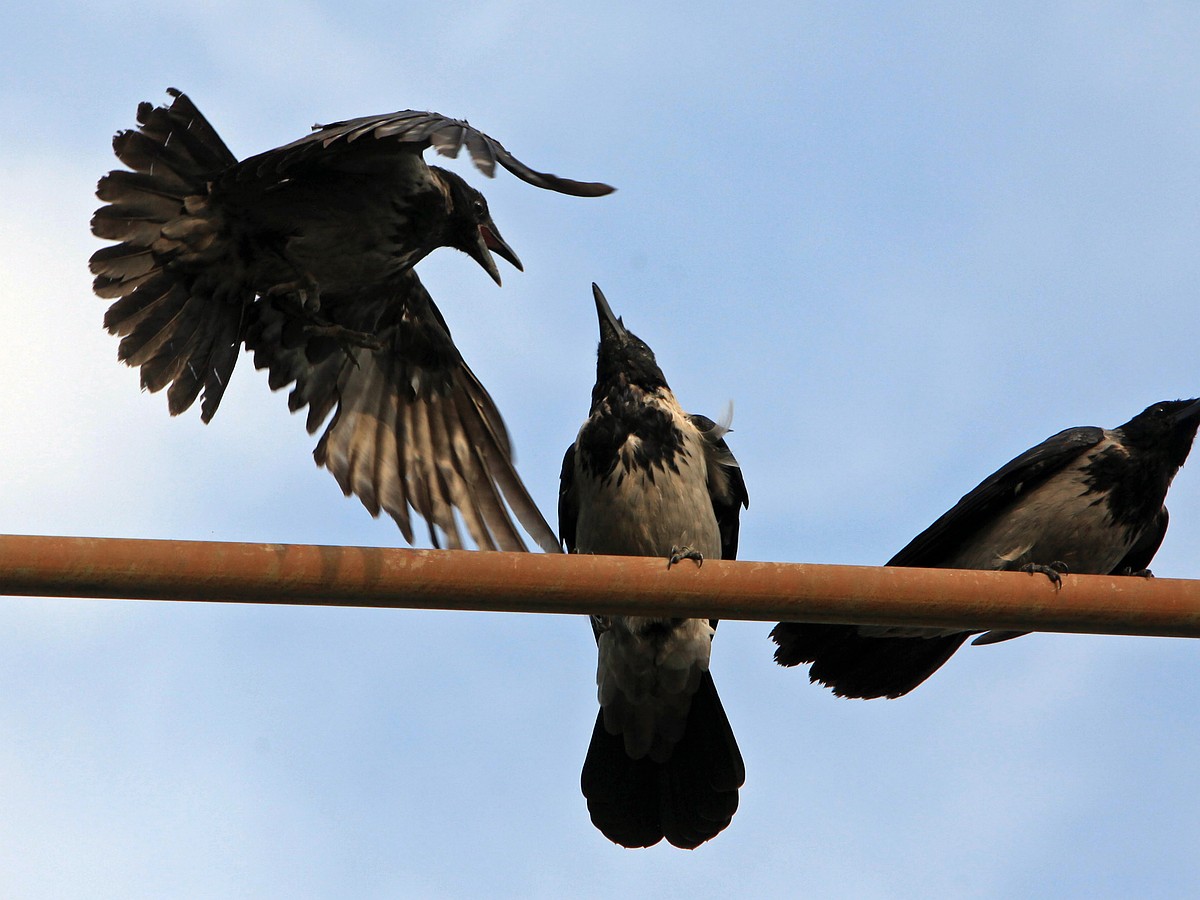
(1165, 429)
(471, 228)
(623, 357)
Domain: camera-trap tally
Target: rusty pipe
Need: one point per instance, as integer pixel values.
(524, 582)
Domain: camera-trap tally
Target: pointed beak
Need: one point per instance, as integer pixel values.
(1189, 412)
(611, 327)
(495, 243)
(489, 240)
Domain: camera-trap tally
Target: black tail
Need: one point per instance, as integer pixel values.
(858, 666)
(688, 799)
(179, 306)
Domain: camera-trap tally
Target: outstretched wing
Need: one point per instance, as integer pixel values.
(411, 131)
(941, 540)
(412, 428)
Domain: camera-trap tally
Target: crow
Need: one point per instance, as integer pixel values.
(1087, 500)
(305, 250)
(644, 478)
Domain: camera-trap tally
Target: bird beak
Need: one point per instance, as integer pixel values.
(1191, 411)
(611, 327)
(490, 240)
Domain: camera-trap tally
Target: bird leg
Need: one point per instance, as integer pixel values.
(1055, 571)
(678, 554)
(347, 338)
(304, 289)
(305, 323)
(1137, 573)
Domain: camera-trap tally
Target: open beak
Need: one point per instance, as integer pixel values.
(490, 242)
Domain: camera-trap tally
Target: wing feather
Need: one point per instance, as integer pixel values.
(409, 131)
(960, 523)
(412, 429)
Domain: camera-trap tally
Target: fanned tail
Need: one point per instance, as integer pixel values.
(179, 303)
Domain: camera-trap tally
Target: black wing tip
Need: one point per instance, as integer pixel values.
(590, 188)
(575, 188)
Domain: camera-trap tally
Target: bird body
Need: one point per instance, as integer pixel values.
(361, 222)
(1050, 523)
(305, 253)
(1086, 500)
(630, 506)
(643, 478)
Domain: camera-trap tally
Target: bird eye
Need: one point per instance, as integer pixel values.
(480, 207)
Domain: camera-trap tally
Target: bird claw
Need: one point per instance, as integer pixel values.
(347, 338)
(678, 554)
(1055, 571)
(304, 290)
(1137, 573)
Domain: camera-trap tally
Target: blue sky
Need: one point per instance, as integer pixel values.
(906, 244)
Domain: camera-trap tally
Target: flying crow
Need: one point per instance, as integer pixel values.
(644, 478)
(305, 253)
(1087, 500)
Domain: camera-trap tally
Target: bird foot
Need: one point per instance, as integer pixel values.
(1137, 573)
(348, 338)
(1055, 571)
(678, 554)
(305, 290)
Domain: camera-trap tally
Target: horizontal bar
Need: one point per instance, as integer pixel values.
(553, 583)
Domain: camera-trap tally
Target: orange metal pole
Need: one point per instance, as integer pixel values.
(524, 582)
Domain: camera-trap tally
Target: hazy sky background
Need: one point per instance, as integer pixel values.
(906, 244)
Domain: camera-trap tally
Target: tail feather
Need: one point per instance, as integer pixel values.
(209, 150)
(167, 321)
(862, 667)
(158, 154)
(177, 136)
(142, 187)
(179, 299)
(126, 315)
(139, 195)
(127, 223)
(119, 267)
(688, 799)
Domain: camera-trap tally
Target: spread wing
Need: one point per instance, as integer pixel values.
(412, 428)
(410, 131)
(976, 509)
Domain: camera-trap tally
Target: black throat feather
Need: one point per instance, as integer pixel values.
(619, 414)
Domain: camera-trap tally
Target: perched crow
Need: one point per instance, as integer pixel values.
(644, 478)
(1087, 500)
(305, 253)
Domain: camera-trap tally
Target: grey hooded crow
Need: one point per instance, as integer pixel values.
(644, 478)
(1087, 500)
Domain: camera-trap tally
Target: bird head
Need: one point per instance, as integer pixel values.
(1166, 428)
(623, 357)
(471, 227)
